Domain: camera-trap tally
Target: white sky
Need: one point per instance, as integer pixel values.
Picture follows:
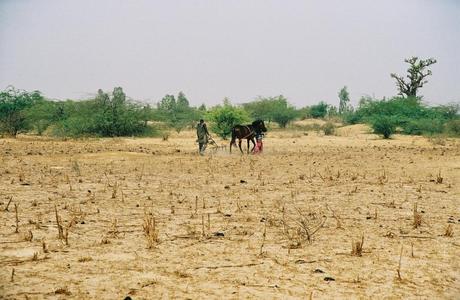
(211, 49)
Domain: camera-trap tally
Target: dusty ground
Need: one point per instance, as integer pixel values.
(353, 185)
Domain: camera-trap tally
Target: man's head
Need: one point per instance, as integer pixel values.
(201, 121)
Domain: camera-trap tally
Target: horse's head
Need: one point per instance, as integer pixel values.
(259, 125)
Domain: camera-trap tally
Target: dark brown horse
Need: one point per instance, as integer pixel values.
(247, 132)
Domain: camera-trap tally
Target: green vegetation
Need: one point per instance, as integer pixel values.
(113, 114)
(328, 128)
(13, 105)
(319, 110)
(224, 117)
(383, 125)
(408, 114)
(276, 109)
(106, 115)
(416, 76)
(177, 113)
(344, 104)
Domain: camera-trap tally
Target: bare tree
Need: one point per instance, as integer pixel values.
(417, 74)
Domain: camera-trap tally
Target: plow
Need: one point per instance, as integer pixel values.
(214, 146)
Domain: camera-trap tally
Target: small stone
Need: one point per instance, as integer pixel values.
(318, 271)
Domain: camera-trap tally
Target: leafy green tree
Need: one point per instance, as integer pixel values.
(275, 109)
(177, 114)
(13, 105)
(113, 116)
(261, 108)
(224, 117)
(332, 111)
(319, 110)
(106, 115)
(202, 108)
(282, 112)
(344, 97)
(416, 77)
(43, 113)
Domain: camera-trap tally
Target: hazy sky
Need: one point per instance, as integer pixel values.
(241, 49)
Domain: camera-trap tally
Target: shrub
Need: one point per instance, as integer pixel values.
(453, 127)
(410, 114)
(383, 125)
(225, 117)
(13, 106)
(319, 110)
(351, 118)
(423, 126)
(106, 115)
(177, 113)
(328, 128)
(275, 109)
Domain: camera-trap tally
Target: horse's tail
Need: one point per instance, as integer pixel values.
(233, 140)
(235, 131)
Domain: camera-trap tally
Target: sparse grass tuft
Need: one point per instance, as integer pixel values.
(150, 230)
(449, 231)
(28, 237)
(398, 271)
(357, 247)
(76, 168)
(17, 217)
(417, 217)
(302, 227)
(85, 259)
(439, 178)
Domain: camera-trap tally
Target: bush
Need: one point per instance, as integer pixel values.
(107, 115)
(13, 106)
(177, 114)
(319, 110)
(275, 109)
(225, 117)
(351, 118)
(328, 128)
(408, 113)
(453, 127)
(383, 125)
(423, 126)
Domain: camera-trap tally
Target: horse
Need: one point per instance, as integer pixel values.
(247, 132)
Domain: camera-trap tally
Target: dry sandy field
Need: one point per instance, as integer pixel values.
(349, 216)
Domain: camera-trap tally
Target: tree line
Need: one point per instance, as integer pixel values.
(111, 114)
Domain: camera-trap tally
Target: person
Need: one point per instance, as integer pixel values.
(259, 144)
(202, 135)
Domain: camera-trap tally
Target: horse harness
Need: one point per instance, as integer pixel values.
(251, 132)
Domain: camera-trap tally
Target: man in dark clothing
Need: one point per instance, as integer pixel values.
(202, 135)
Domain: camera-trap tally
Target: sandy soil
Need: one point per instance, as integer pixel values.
(274, 226)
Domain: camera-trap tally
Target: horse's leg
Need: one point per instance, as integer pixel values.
(231, 143)
(239, 145)
(253, 144)
(248, 144)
